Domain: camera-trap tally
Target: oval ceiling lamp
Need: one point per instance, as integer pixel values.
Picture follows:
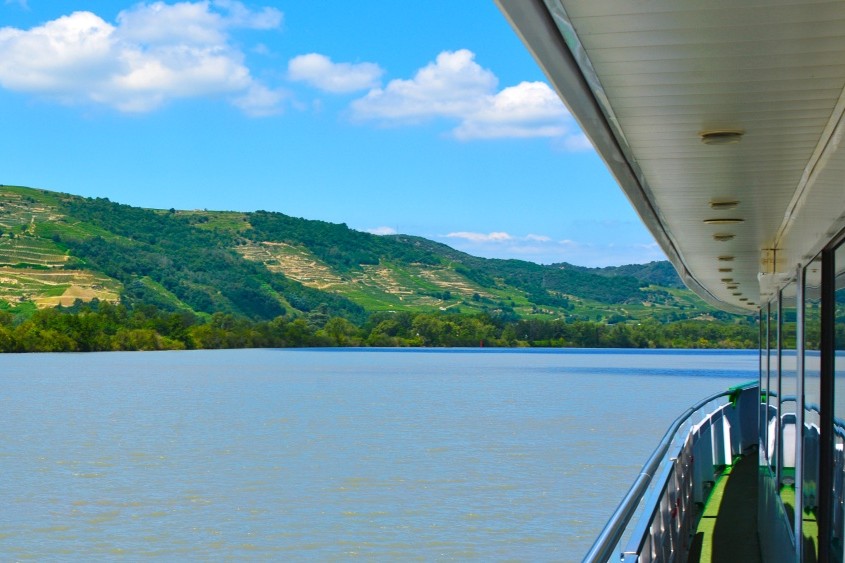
(721, 136)
(723, 204)
(722, 237)
(726, 221)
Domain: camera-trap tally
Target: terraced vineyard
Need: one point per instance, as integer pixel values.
(18, 212)
(32, 268)
(296, 263)
(380, 287)
(55, 287)
(29, 271)
(28, 251)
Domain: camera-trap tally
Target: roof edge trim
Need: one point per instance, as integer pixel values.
(828, 143)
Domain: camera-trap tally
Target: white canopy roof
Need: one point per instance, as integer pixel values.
(647, 80)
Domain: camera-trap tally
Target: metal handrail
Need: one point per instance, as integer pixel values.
(610, 536)
(652, 500)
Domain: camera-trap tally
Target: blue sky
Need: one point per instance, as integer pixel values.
(422, 118)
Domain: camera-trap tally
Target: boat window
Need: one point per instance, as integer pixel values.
(788, 399)
(838, 508)
(764, 383)
(812, 402)
(774, 389)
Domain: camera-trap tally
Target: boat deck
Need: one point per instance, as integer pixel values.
(727, 529)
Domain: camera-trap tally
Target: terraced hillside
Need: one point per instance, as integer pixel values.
(19, 210)
(28, 251)
(296, 263)
(384, 286)
(57, 248)
(38, 271)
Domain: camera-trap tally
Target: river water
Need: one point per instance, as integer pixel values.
(332, 454)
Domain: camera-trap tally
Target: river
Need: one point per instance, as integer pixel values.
(333, 454)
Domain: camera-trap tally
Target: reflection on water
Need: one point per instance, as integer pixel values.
(332, 453)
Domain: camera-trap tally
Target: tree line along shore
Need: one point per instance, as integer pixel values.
(102, 326)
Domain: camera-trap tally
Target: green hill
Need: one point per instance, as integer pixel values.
(56, 249)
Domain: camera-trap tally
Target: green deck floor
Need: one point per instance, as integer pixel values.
(809, 525)
(727, 530)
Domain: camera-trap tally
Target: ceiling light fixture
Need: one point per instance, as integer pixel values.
(738, 293)
(721, 136)
(726, 270)
(722, 237)
(727, 280)
(726, 258)
(723, 204)
(727, 221)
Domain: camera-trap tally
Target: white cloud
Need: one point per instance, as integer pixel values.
(530, 109)
(454, 86)
(155, 53)
(260, 101)
(481, 237)
(238, 15)
(496, 237)
(191, 22)
(577, 143)
(319, 71)
(545, 250)
(382, 231)
(188, 23)
(450, 86)
(261, 49)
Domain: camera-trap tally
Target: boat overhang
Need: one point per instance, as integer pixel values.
(722, 121)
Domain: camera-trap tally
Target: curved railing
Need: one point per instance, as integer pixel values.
(608, 541)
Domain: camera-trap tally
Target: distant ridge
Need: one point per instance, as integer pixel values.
(58, 248)
(657, 273)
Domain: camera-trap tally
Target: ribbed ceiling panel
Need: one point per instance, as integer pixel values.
(669, 70)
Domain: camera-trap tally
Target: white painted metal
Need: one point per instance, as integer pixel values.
(654, 74)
